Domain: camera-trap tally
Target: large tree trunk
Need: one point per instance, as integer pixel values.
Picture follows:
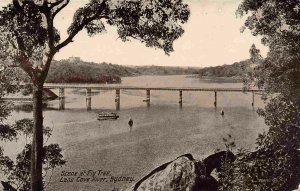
(37, 140)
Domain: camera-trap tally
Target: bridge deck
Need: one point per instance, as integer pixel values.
(119, 87)
(16, 99)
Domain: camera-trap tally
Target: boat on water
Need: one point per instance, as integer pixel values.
(107, 116)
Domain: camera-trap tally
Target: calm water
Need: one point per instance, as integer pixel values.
(159, 134)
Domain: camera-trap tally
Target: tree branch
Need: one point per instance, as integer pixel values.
(69, 39)
(46, 68)
(60, 7)
(23, 60)
(51, 49)
(55, 3)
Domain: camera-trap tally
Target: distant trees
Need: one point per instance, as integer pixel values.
(30, 40)
(70, 71)
(66, 71)
(237, 69)
(75, 70)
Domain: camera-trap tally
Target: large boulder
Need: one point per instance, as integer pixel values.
(176, 175)
(183, 174)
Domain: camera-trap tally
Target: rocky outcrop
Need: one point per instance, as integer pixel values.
(7, 187)
(183, 174)
(214, 161)
(175, 175)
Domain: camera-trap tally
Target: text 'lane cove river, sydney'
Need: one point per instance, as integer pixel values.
(110, 154)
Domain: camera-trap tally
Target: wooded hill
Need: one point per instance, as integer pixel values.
(237, 70)
(74, 70)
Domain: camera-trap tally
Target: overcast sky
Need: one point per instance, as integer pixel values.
(212, 37)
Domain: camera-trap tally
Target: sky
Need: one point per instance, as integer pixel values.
(212, 37)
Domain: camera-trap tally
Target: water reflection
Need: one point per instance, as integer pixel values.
(27, 107)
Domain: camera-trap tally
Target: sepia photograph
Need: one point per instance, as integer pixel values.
(149, 95)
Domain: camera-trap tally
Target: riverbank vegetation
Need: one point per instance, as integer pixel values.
(275, 164)
(236, 70)
(75, 70)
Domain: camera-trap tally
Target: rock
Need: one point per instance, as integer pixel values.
(183, 174)
(7, 187)
(214, 161)
(176, 175)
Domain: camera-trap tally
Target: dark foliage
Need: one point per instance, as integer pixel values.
(18, 172)
(275, 165)
(237, 69)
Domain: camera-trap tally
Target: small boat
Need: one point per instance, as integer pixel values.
(107, 116)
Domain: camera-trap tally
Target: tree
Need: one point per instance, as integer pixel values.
(276, 162)
(255, 54)
(156, 23)
(278, 23)
(17, 172)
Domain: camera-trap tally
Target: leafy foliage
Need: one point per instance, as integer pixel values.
(259, 171)
(8, 84)
(18, 171)
(17, 42)
(275, 165)
(156, 23)
(255, 56)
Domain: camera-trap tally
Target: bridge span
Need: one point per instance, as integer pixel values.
(120, 87)
(117, 88)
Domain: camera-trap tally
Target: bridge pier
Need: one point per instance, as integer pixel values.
(215, 103)
(117, 99)
(148, 97)
(180, 98)
(253, 98)
(88, 99)
(61, 98)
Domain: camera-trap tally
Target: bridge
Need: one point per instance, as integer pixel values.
(118, 88)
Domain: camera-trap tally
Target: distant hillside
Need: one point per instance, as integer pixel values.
(74, 70)
(165, 70)
(78, 71)
(237, 70)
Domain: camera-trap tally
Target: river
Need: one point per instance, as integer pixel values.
(160, 133)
